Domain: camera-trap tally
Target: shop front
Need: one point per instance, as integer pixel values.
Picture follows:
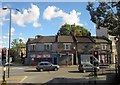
(35, 58)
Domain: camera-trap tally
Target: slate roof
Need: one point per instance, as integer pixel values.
(84, 39)
(101, 39)
(43, 39)
(65, 39)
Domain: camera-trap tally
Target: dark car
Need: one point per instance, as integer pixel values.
(46, 66)
(87, 67)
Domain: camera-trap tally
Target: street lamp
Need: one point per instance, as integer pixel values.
(4, 81)
(9, 37)
(76, 54)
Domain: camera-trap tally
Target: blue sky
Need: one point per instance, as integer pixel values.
(44, 18)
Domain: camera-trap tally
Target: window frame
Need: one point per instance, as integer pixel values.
(67, 46)
(47, 46)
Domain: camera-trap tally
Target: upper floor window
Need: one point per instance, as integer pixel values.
(33, 46)
(47, 46)
(67, 46)
(103, 46)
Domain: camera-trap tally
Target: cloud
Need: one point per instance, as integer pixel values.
(54, 12)
(12, 31)
(1, 42)
(3, 14)
(5, 37)
(93, 34)
(30, 15)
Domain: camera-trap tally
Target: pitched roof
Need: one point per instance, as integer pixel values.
(43, 39)
(65, 39)
(101, 39)
(84, 39)
(46, 39)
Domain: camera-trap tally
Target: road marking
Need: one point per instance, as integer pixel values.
(23, 79)
(18, 68)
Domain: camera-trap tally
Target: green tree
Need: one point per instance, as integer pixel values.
(16, 46)
(107, 15)
(76, 30)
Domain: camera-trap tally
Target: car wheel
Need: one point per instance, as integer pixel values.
(38, 69)
(56, 69)
(84, 71)
(41, 69)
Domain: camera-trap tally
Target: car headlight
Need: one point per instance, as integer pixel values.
(58, 66)
(98, 67)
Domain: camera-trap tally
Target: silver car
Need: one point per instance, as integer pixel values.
(46, 66)
(87, 67)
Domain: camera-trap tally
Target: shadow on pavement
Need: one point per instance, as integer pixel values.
(110, 80)
(74, 71)
(31, 71)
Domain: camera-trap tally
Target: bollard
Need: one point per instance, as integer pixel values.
(4, 81)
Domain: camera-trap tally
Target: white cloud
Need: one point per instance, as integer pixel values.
(30, 15)
(1, 42)
(93, 34)
(3, 14)
(4, 37)
(12, 30)
(54, 12)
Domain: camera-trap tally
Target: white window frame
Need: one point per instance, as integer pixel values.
(103, 46)
(49, 46)
(33, 46)
(65, 46)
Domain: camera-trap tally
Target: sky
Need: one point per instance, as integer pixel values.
(41, 18)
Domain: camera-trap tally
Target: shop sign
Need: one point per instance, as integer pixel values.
(32, 55)
(46, 56)
(39, 56)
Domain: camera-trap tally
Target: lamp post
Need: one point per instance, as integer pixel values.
(76, 53)
(10, 9)
(4, 81)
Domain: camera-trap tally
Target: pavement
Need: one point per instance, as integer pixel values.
(103, 78)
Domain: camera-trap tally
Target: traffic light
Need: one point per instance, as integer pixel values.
(95, 53)
(3, 56)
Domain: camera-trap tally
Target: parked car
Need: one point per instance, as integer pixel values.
(87, 67)
(46, 66)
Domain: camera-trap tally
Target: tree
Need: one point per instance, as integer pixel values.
(16, 46)
(107, 15)
(76, 30)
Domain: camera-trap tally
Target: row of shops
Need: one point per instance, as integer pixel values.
(63, 58)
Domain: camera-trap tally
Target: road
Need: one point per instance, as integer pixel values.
(28, 74)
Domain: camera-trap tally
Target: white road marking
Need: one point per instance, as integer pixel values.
(23, 79)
